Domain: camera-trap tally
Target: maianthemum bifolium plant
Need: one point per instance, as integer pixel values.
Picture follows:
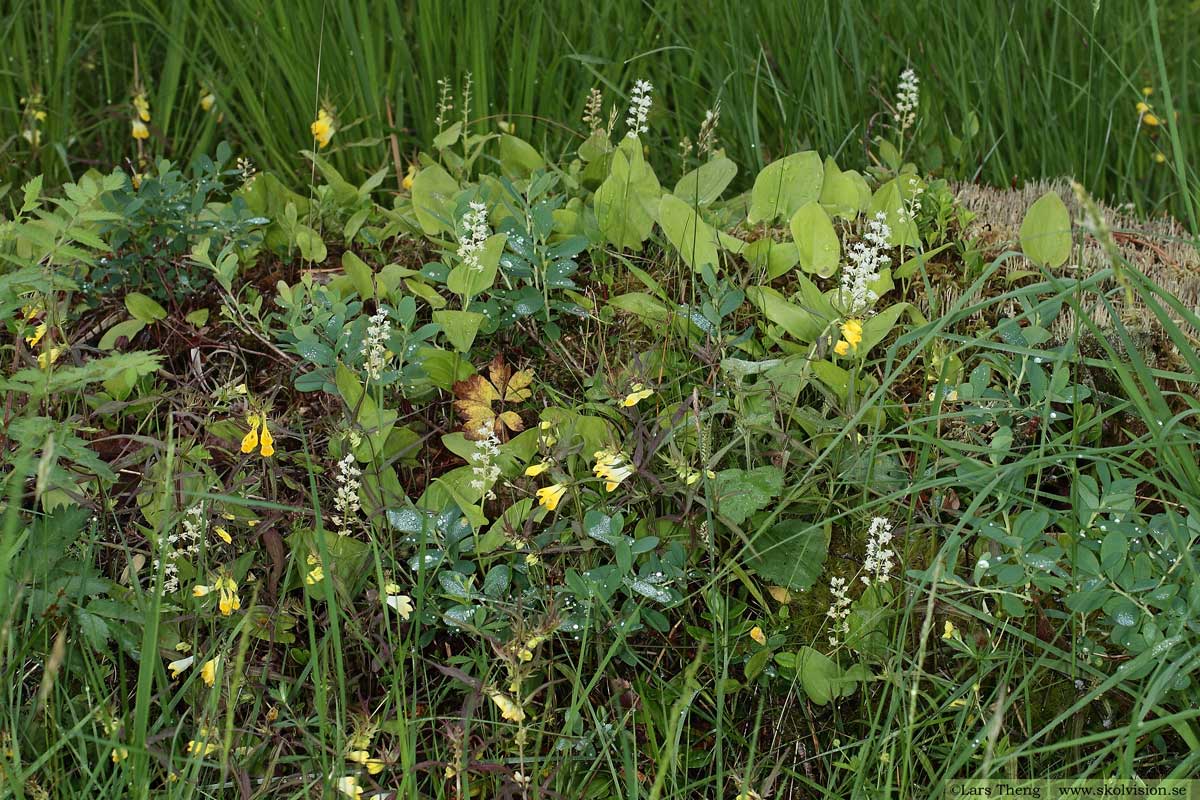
(543, 476)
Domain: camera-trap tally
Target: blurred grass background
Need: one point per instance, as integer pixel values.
(1053, 85)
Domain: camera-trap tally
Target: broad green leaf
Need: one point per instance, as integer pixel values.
(467, 281)
(627, 202)
(877, 327)
(144, 308)
(785, 185)
(817, 243)
(889, 200)
(694, 238)
(199, 317)
(790, 554)
(840, 191)
(518, 158)
(360, 275)
(433, 194)
(777, 258)
(819, 675)
(127, 330)
(460, 327)
(803, 323)
(704, 184)
(740, 493)
(1046, 231)
(312, 247)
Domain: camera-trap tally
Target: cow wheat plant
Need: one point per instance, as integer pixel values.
(370, 436)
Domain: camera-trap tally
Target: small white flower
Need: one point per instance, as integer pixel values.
(908, 96)
(475, 232)
(839, 610)
(879, 561)
(374, 346)
(345, 499)
(483, 461)
(867, 258)
(639, 108)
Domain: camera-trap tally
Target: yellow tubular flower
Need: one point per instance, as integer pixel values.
(756, 633)
(268, 441)
(637, 395)
(348, 786)
(949, 630)
(208, 672)
(322, 128)
(852, 332)
(508, 708)
(223, 534)
(841, 348)
(200, 590)
(550, 496)
(250, 440)
(206, 102)
(38, 333)
(139, 130)
(534, 470)
(407, 183)
(230, 601)
(180, 666)
(46, 358)
(142, 107)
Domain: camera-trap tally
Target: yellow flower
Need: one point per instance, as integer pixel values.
(253, 439)
(119, 754)
(400, 603)
(373, 765)
(1147, 91)
(322, 128)
(223, 534)
(407, 183)
(348, 785)
(533, 470)
(179, 666)
(949, 630)
(316, 573)
(613, 466)
(267, 440)
(508, 708)
(207, 101)
(852, 331)
(38, 333)
(1146, 114)
(141, 106)
(208, 672)
(841, 348)
(1159, 158)
(958, 702)
(200, 590)
(551, 495)
(756, 633)
(227, 587)
(139, 129)
(637, 395)
(46, 358)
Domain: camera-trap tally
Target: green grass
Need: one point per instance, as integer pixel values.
(1053, 86)
(1025, 688)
